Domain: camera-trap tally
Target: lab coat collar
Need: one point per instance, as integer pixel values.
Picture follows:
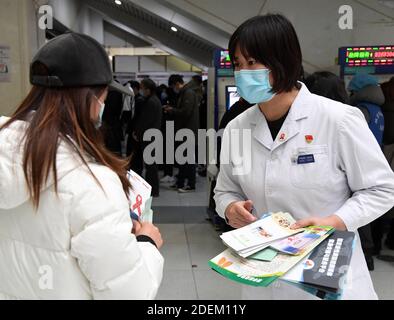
(301, 105)
(261, 130)
(299, 110)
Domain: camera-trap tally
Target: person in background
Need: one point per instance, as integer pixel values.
(162, 94)
(63, 196)
(186, 116)
(204, 106)
(388, 142)
(199, 90)
(172, 100)
(329, 85)
(367, 95)
(128, 102)
(388, 111)
(112, 125)
(127, 112)
(133, 147)
(203, 115)
(149, 118)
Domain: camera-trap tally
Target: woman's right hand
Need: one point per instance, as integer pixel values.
(149, 230)
(239, 214)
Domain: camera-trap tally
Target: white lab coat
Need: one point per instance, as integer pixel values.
(350, 176)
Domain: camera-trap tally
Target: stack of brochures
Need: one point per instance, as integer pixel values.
(260, 234)
(268, 249)
(323, 272)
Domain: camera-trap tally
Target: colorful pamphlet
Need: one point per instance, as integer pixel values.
(140, 197)
(258, 235)
(323, 272)
(296, 244)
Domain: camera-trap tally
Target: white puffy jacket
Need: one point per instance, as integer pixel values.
(78, 245)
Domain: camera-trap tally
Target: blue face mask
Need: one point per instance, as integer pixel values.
(254, 85)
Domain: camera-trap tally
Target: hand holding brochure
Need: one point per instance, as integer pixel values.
(255, 272)
(272, 232)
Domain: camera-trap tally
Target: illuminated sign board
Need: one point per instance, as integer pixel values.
(225, 61)
(367, 56)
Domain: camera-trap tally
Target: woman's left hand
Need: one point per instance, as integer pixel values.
(330, 221)
(136, 227)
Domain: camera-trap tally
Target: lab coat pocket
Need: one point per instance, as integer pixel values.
(310, 167)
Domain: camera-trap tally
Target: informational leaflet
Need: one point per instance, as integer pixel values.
(255, 272)
(323, 272)
(140, 197)
(260, 234)
(296, 244)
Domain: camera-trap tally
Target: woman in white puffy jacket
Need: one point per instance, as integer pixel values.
(65, 227)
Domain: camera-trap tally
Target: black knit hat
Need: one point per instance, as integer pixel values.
(73, 60)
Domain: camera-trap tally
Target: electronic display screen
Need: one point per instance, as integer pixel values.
(368, 56)
(232, 96)
(225, 61)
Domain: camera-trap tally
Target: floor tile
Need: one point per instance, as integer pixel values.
(202, 233)
(195, 215)
(384, 266)
(384, 284)
(177, 256)
(212, 286)
(168, 215)
(177, 285)
(173, 233)
(201, 253)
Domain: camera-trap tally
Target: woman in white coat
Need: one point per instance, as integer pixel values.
(307, 155)
(65, 227)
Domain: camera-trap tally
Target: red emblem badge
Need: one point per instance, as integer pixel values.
(309, 139)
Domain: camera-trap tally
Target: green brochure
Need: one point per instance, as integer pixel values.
(265, 255)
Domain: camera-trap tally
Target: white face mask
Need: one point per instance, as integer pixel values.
(100, 118)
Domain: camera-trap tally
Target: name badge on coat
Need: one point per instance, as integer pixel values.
(305, 159)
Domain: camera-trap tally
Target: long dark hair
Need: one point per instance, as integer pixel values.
(61, 114)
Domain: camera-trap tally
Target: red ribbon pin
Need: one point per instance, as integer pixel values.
(138, 205)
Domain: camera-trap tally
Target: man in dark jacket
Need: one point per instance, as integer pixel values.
(186, 116)
(134, 147)
(149, 118)
(112, 125)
